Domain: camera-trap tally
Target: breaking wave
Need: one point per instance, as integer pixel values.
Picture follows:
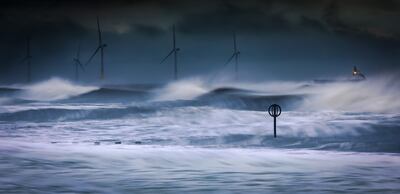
(377, 94)
(373, 95)
(208, 126)
(53, 89)
(348, 115)
(187, 89)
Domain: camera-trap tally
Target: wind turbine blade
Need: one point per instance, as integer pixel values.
(173, 37)
(99, 32)
(170, 53)
(80, 65)
(91, 57)
(212, 78)
(230, 59)
(23, 60)
(223, 67)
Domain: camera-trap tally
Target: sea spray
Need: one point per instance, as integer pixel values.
(53, 89)
(376, 94)
(373, 95)
(192, 145)
(186, 89)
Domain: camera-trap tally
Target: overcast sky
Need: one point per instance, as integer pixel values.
(278, 39)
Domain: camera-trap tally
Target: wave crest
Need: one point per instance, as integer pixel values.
(54, 89)
(187, 89)
(373, 95)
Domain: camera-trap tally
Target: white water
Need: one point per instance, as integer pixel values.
(343, 138)
(53, 89)
(375, 95)
(171, 169)
(186, 89)
(378, 94)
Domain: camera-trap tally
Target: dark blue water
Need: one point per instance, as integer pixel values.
(194, 137)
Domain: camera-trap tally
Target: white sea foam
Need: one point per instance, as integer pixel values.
(373, 95)
(186, 89)
(200, 149)
(378, 94)
(53, 89)
(177, 169)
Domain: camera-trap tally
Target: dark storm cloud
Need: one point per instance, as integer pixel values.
(374, 17)
(227, 17)
(312, 24)
(143, 27)
(362, 18)
(148, 30)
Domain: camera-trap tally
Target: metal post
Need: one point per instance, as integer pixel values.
(274, 111)
(274, 127)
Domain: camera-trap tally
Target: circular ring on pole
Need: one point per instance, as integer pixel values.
(274, 110)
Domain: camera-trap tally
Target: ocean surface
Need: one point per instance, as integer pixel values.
(194, 136)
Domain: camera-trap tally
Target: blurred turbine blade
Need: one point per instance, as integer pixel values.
(80, 65)
(230, 59)
(170, 53)
(91, 57)
(99, 31)
(24, 59)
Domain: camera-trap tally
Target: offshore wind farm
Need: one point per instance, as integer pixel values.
(199, 97)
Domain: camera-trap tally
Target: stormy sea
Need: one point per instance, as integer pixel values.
(195, 136)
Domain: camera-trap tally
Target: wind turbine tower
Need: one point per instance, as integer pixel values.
(100, 48)
(175, 52)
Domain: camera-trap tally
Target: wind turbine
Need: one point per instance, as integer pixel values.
(175, 52)
(28, 58)
(235, 56)
(77, 63)
(100, 48)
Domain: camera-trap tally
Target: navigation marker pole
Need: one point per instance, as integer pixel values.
(274, 111)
